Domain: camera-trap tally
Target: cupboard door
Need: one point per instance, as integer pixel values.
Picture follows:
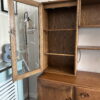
(25, 28)
(87, 94)
(54, 91)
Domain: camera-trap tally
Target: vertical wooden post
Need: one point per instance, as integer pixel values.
(12, 38)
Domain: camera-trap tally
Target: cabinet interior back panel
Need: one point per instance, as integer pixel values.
(61, 64)
(61, 42)
(61, 18)
(61, 37)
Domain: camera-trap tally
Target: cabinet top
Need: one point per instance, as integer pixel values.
(83, 1)
(83, 79)
(56, 1)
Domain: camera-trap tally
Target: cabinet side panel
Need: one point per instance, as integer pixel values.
(44, 36)
(76, 37)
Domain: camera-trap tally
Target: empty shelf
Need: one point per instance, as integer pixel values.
(60, 71)
(56, 54)
(57, 5)
(89, 47)
(60, 29)
(90, 26)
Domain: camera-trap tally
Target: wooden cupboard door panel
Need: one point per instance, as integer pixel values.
(55, 91)
(26, 35)
(87, 94)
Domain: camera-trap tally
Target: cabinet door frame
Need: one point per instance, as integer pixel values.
(12, 32)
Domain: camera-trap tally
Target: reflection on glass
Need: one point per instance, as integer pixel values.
(27, 36)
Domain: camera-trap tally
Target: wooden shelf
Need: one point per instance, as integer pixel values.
(90, 26)
(56, 54)
(59, 71)
(60, 5)
(72, 29)
(89, 47)
(55, 1)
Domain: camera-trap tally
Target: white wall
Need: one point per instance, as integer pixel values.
(4, 35)
(90, 59)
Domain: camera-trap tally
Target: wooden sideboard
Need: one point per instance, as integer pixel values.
(84, 86)
(59, 23)
(61, 80)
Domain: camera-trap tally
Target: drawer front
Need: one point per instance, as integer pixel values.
(54, 91)
(87, 94)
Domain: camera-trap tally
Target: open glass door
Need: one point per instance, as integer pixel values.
(25, 28)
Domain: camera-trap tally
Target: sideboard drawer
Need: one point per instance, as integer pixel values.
(87, 94)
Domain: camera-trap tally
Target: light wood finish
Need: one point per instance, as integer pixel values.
(59, 30)
(56, 54)
(90, 26)
(58, 49)
(79, 12)
(14, 57)
(54, 21)
(29, 2)
(55, 1)
(45, 36)
(54, 91)
(42, 58)
(59, 38)
(12, 39)
(82, 79)
(60, 71)
(86, 94)
(60, 5)
(76, 38)
(80, 87)
(28, 74)
(89, 47)
(16, 76)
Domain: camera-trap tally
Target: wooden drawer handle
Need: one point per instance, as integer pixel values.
(68, 98)
(84, 95)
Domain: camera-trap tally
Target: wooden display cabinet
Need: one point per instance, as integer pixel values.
(60, 35)
(23, 20)
(58, 32)
(83, 86)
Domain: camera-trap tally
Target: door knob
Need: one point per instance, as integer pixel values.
(69, 98)
(84, 95)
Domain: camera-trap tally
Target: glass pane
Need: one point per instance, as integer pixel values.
(27, 37)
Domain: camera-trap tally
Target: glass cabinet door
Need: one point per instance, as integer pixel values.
(25, 28)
